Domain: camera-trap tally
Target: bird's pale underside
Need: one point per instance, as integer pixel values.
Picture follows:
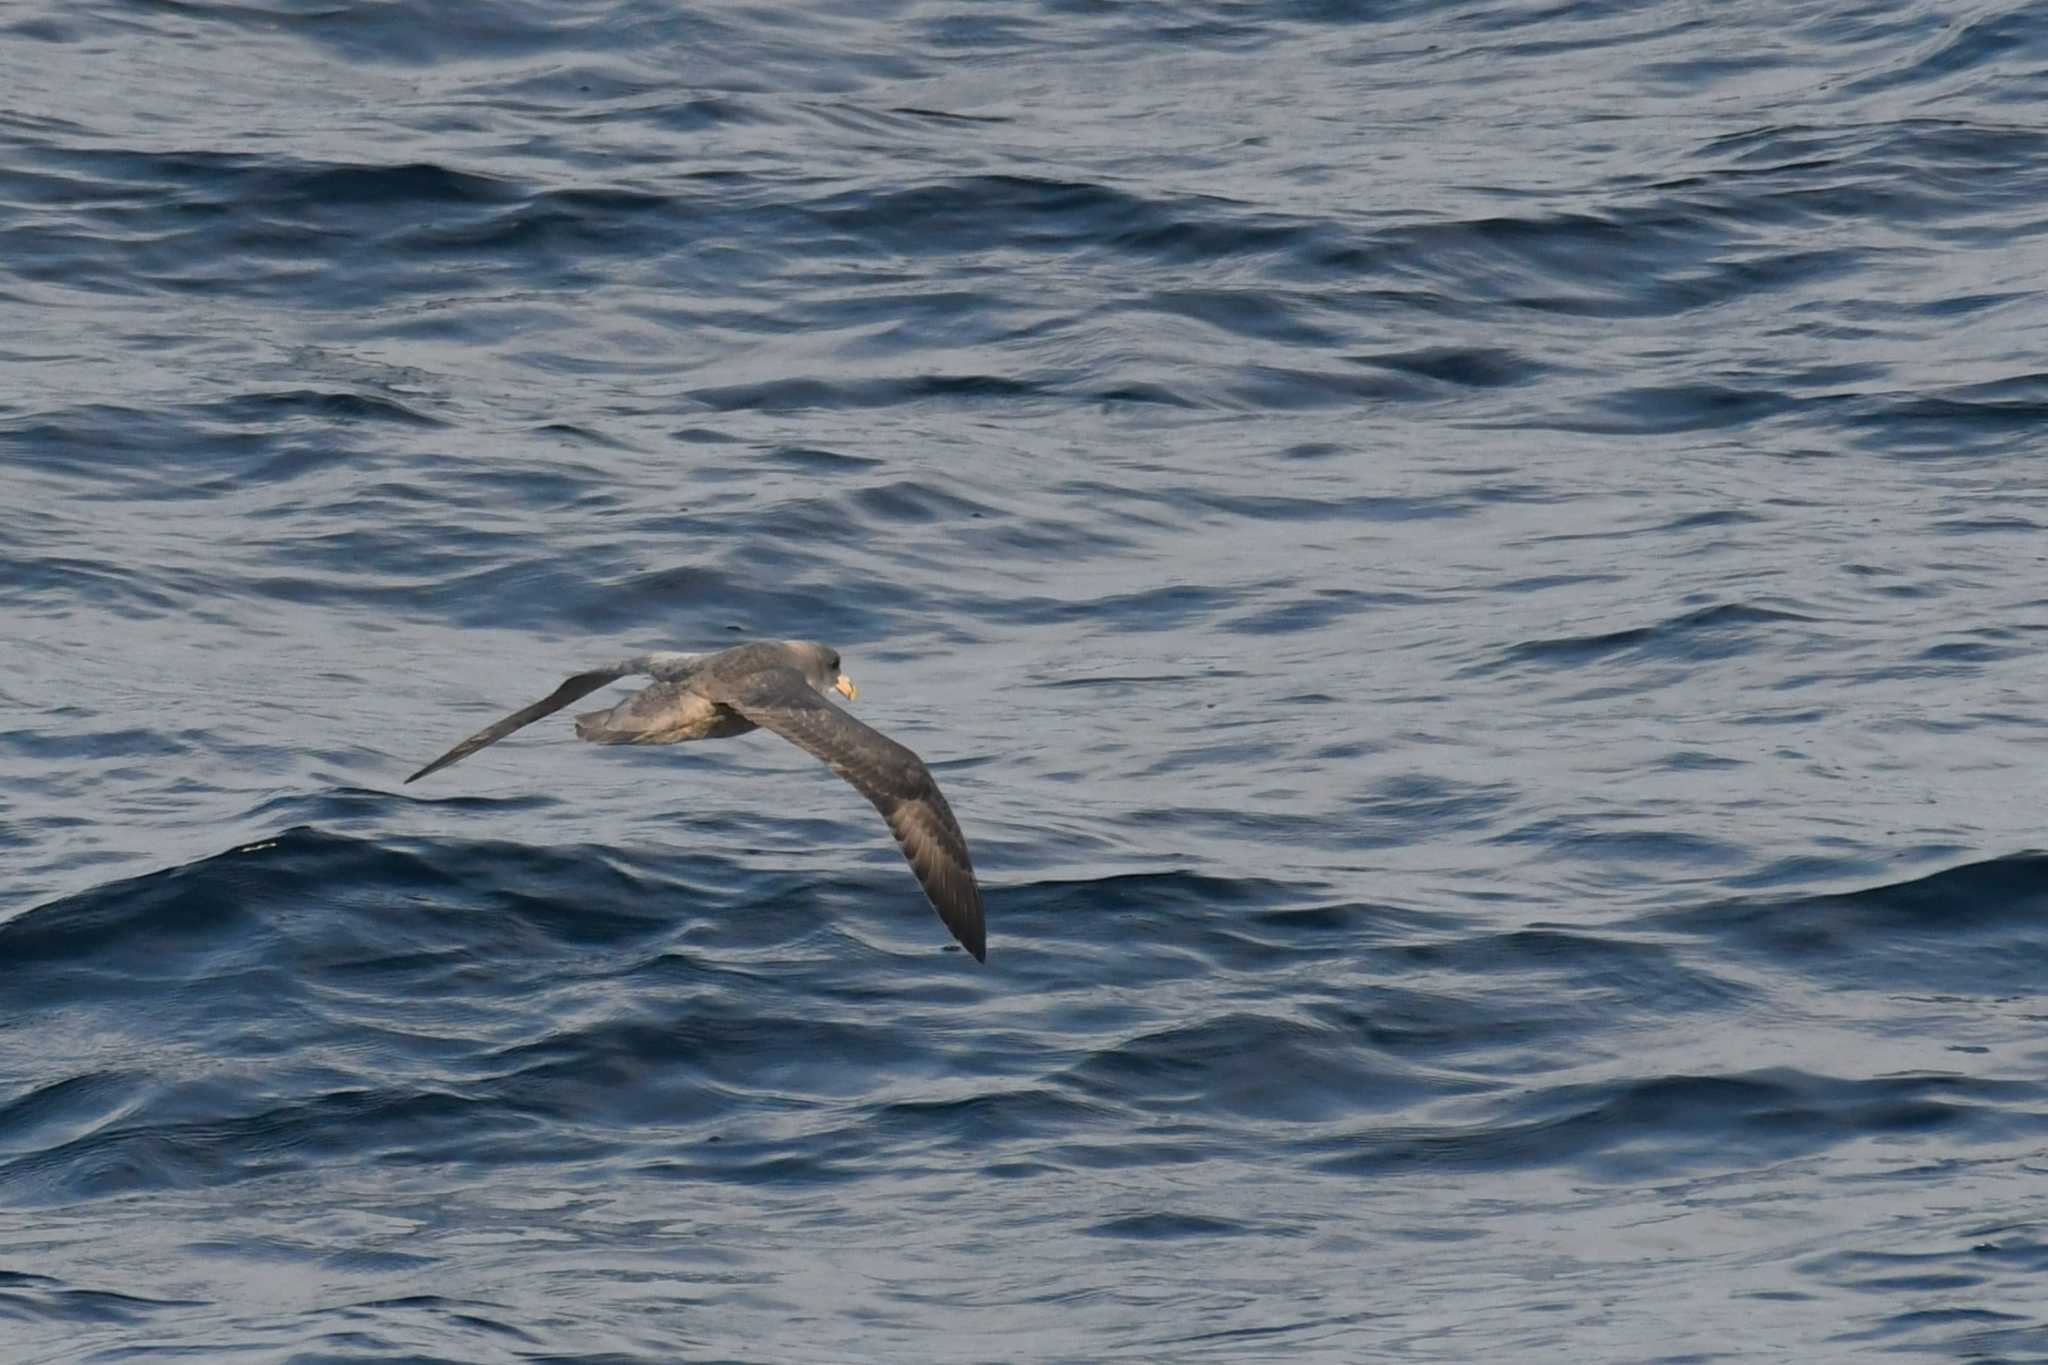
(777, 685)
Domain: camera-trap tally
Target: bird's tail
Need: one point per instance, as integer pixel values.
(601, 727)
(666, 713)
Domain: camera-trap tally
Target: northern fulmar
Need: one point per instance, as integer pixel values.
(777, 685)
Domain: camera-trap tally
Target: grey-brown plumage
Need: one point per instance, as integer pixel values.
(777, 685)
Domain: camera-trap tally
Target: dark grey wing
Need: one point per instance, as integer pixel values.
(886, 773)
(575, 689)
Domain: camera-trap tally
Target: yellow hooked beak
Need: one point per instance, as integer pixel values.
(845, 688)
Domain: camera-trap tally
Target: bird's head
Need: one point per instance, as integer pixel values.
(820, 666)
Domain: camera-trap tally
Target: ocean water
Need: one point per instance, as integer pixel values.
(1474, 572)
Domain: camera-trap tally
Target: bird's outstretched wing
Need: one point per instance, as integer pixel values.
(890, 776)
(665, 665)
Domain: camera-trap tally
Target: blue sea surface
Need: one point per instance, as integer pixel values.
(1475, 571)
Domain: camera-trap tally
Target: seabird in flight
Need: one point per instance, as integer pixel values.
(777, 685)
